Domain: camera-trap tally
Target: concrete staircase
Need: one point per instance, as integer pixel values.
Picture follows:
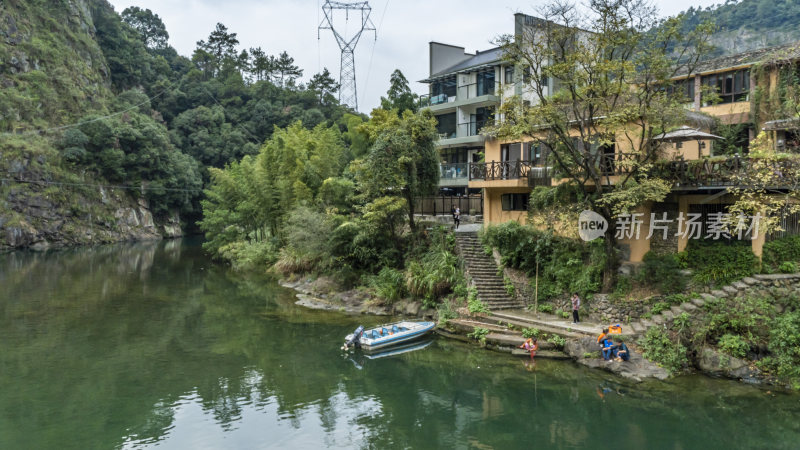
(482, 269)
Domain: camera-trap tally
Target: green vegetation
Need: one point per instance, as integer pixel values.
(565, 265)
(719, 262)
(557, 340)
(547, 309)
(479, 334)
(474, 304)
(531, 333)
(657, 346)
(780, 251)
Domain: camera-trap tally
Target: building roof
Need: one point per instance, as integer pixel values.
(481, 59)
(775, 54)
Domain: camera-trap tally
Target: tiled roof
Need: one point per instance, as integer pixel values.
(787, 52)
(481, 59)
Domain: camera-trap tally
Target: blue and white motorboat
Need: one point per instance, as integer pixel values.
(384, 336)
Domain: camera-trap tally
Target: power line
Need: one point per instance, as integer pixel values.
(96, 119)
(374, 44)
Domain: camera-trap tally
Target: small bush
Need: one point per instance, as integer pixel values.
(557, 340)
(531, 333)
(479, 334)
(547, 309)
(734, 345)
(564, 315)
(785, 348)
(779, 251)
(788, 267)
(389, 284)
(658, 307)
(664, 272)
(510, 289)
(720, 262)
(659, 348)
(474, 304)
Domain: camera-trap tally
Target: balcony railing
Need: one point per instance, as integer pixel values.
(432, 100)
(472, 90)
(472, 128)
(453, 171)
(499, 170)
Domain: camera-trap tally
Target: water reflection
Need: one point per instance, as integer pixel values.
(136, 345)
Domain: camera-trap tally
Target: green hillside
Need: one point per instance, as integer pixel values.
(106, 133)
(749, 24)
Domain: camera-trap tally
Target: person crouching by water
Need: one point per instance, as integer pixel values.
(531, 345)
(620, 350)
(576, 304)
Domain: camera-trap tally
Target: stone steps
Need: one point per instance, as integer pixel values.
(482, 269)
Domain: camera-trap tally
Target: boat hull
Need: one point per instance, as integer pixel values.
(411, 331)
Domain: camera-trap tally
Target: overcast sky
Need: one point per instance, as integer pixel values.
(404, 29)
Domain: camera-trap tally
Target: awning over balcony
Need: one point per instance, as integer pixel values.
(783, 124)
(685, 133)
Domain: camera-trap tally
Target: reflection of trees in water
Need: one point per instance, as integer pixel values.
(114, 361)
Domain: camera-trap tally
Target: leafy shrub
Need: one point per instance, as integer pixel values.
(547, 309)
(474, 304)
(389, 284)
(565, 265)
(436, 272)
(779, 251)
(659, 348)
(664, 272)
(658, 307)
(734, 345)
(788, 267)
(509, 285)
(249, 255)
(557, 340)
(720, 262)
(531, 333)
(749, 317)
(623, 287)
(682, 321)
(479, 334)
(564, 315)
(785, 347)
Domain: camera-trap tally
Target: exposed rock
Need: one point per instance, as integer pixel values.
(715, 363)
(637, 368)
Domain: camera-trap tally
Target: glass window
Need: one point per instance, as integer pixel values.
(731, 86)
(509, 74)
(514, 202)
(446, 125)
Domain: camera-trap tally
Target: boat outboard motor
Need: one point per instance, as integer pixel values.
(356, 339)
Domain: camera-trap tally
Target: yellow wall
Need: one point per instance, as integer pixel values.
(493, 213)
(729, 113)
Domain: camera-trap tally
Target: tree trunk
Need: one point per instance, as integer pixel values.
(612, 261)
(410, 200)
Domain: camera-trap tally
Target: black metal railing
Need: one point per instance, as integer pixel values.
(499, 170)
(442, 205)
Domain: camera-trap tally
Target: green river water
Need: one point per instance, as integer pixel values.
(153, 345)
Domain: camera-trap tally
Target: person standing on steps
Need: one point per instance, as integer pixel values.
(457, 217)
(576, 303)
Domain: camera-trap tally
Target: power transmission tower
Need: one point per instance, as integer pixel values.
(347, 72)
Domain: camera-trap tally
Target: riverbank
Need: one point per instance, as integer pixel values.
(320, 293)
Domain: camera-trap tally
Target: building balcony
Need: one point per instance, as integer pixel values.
(508, 174)
(464, 134)
(453, 174)
(466, 95)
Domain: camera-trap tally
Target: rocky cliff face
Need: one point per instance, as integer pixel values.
(51, 72)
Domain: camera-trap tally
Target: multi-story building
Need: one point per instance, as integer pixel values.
(464, 90)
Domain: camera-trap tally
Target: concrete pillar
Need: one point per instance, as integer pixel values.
(640, 247)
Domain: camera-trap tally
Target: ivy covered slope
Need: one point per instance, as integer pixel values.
(52, 73)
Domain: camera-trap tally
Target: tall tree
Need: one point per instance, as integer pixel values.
(399, 95)
(402, 163)
(325, 87)
(286, 70)
(610, 73)
(263, 65)
(149, 25)
(221, 45)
